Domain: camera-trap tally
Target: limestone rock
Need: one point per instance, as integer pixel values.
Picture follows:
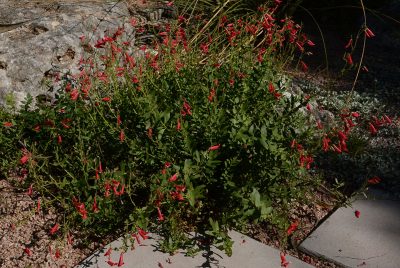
(41, 38)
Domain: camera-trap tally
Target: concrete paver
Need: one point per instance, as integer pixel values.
(372, 240)
(247, 253)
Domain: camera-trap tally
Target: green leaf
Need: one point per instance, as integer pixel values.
(263, 132)
(214, 226)
(255, 198)
(194, 194)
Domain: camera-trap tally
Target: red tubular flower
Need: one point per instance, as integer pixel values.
(181, 19)
(299, 147)
(100, 43)
(135, 80)
(349, 59)
(378, 122)
(365, 69)
(137, 238)
(121, 259)
(300, 47)
(173, 177)
(122, 136)
(49, 123)
(30, 191)
(342, 136)
(69, 238)
(337, 149)
(214, 147)
(374, 180)
(74, 95)
(319, 124)
(160, 215)
(372, 129)
(7, 124)
(120, 71)
(178, 66)
(120, 192)
(271, 88)
(355, 114)
(133, 22)
(186, 109)
(142, 233)
(204, 48)
(325, 143)
(369, 33)
(100, 167)
(107, 188)
(284, 262)
(180, 188)
(292, 227)
(64, 123)
(111, 263)
(293, 144)
(150, 133)
(37, 128)
(106, 99)
(387, 119)
(306, 161)
(277, 95)
(95, 208)
(303, 66)
(38, 206)
(349, 124)
(178, 124)
(25, 157)
(357, 213)
(212, 95)
(310, 43)
(57, 254)
(349, 43)
(119, 120)
(59, 139)
(108, 252)
(80, 207)
(177, 196)
(28, 251)
(54, 229)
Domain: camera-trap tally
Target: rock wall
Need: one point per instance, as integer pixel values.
(41, 38)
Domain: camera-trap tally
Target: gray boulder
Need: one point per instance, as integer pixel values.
(39, 39)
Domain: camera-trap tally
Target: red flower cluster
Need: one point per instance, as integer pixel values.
(186, 109)
(376, 123)
(177, 194)
(304, 160)
(292, 227)
(80, 207)
(273, 91)
(140, 234)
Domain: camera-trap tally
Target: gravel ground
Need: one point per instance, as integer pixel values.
(25, 239)
(22, 227)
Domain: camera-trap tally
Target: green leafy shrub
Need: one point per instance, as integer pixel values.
(175, 137)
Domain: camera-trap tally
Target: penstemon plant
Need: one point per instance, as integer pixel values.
(181, 135)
